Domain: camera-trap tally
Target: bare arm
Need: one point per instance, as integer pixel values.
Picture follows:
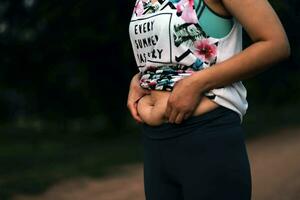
(270, 45)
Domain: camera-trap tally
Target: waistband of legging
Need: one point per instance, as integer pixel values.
(203, 121)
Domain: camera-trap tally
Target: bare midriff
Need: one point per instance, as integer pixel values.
(152, 107)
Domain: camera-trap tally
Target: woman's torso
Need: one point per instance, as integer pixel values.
(157, 99)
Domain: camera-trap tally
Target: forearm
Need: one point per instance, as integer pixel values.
(251, 61)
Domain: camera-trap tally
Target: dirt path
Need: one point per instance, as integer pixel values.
(275, 167)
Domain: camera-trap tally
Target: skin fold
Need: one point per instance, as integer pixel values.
(152, 108)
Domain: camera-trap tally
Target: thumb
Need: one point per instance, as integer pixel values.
(147, 91)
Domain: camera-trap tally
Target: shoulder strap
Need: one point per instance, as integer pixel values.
(199, 9)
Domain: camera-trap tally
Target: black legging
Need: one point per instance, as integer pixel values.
(203, 158)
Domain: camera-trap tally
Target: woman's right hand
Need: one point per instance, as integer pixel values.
(135, 93)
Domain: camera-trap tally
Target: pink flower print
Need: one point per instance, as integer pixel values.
(152, 83)
(139, 8)
(204, 50)
(185, 8)
(179, 7)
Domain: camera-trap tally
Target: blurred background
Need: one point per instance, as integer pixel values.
(65, 68)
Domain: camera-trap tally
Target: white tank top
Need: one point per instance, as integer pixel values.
(169, 44)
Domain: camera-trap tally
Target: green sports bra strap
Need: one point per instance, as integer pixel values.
(200, 8)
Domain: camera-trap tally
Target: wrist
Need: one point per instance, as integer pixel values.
(202, 80)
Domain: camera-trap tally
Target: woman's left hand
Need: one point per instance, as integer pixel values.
(183, 99)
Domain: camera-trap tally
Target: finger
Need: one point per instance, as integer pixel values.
(133, 111)
(146, 91)
(179, 118)
(187, 115)
(168, 110)
(173, 116)
(137, 116)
